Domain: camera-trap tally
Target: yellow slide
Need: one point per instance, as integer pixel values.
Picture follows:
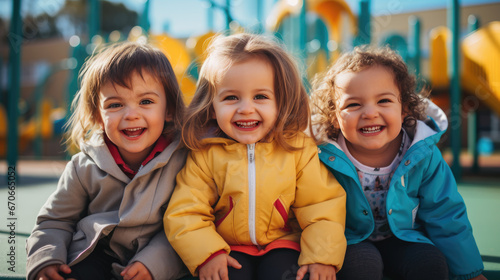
(481, 70)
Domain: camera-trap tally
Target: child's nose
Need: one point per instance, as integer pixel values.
(245, 107)
(131, 113)
(370, 111)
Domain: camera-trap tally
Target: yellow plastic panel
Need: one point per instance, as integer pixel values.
(438, 57)
(175, 51)
(188, 87)
(481, 64)
(198, 45)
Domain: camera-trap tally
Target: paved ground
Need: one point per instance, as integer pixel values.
(36, 180)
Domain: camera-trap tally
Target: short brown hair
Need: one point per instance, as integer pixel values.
(291, 96)
(116, 63)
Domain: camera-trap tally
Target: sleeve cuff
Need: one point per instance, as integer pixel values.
(211, 257)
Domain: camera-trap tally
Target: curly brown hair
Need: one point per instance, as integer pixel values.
(323, 98)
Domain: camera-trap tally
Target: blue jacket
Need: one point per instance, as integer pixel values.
(423, 203)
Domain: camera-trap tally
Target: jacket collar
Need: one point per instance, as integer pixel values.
(159, 146)
(98, 151)
(433, 127)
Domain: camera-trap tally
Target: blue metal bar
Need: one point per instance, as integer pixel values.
(94, 18)
(144, 18)
(414, 23)
(260, 16)
(16, 41)
(472, 123)
(229, 19)
(364, 27)
(455, 98)
(226, 9)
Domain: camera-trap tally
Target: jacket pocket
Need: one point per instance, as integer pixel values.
(278, 222)
(221, 219)
(225, 224)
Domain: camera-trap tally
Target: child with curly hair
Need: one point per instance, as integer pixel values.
(405, 217)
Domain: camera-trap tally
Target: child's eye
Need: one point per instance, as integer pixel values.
(385, 100)
(261, 96)
(146, 102)
(230, 97)
(114, 105)
(351, 105)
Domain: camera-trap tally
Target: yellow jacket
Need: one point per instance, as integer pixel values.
(235, 194)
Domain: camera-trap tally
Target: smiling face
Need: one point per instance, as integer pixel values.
(369, 112)
(245, 104)
(133, 118)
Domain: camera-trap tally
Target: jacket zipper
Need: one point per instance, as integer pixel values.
(251, 192)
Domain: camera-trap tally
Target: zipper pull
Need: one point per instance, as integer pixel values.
(251, 154)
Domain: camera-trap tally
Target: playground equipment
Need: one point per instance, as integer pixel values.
(44, 125)
(480, 75)
(44, 121)
(180, 59)
(319, 43)
(330, 11)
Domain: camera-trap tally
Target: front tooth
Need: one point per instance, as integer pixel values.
(247, 123)
(370, 129)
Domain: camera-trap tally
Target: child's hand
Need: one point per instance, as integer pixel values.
(216, 268)
(51, 272)
(136, 271)
(317, 271)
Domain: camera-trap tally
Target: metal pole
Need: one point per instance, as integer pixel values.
(364, 31)
(228, 15)
(144, 18)
(260, 16)
(415, 31)
(16, 40)
(303, 29)
(472, 123)
(455, 118)
(94, 18)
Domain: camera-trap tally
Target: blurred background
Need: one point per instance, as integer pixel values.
(452, 46)
(55, 37)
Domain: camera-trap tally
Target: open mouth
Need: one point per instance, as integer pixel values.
(371, 129)
(133, 132)
(247, 124)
